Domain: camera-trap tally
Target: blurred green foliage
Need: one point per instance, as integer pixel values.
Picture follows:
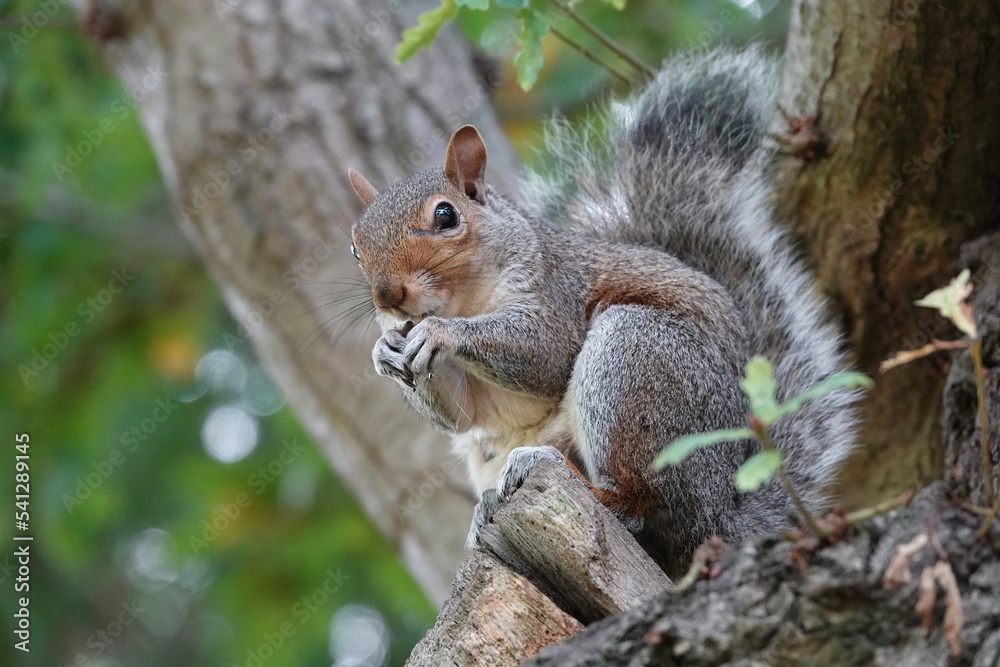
(215, 563)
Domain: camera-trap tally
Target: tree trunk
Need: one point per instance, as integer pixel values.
(255, 111)
(908, 92)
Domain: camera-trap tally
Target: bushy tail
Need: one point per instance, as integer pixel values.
(686, 169)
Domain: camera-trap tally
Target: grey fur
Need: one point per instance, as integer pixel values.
(676, 201)
(687, 171)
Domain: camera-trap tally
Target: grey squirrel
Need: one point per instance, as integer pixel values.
(613, 308)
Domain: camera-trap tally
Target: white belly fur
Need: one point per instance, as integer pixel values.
(512, 421)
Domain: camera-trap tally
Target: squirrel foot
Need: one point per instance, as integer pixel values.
(519, 463)
(481, 516)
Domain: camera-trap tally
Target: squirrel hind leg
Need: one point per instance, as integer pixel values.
(645, 377)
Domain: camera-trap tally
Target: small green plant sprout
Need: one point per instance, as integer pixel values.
(535, 24)
(951, 302)
(761, 388)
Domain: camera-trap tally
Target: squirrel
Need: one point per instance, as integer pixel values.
(613, 308)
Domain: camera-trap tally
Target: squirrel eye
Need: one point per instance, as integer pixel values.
(354, 251)
(445, 216)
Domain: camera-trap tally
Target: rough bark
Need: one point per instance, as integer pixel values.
(905, 90)
(771, 601)
(962, 435)
(763, 609)
(556, 532)
(255, 111)
(554, 558)
(494, 617)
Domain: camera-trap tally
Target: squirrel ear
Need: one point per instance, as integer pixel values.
(465, 162)
(365, 190)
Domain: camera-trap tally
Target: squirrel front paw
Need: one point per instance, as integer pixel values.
(407, 354)
(390, 359)
(424, 344)
(519, 463)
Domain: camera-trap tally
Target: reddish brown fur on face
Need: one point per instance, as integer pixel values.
(447, 259)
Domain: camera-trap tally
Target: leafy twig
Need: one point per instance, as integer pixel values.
(951, 302)
(765, 440)
(604, 39)
(703, 562)
(887, 506)
(906, 356)
(761, 388)
(969, 507)
(428, 26)
(586, 53)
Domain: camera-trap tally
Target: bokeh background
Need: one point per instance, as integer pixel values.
(181, 515)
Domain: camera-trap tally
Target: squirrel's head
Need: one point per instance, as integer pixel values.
(421, 242)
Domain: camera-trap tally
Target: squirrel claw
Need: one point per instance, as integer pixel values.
(519, 463)
(423, 343)
(515, 470)
(481, 516)
(389, 359)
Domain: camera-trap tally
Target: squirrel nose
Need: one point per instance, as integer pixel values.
(388, 295)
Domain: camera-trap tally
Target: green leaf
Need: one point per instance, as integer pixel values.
(760, 386)
(838, 381)
(474, 4)
(530, 59)
(428, 26)
(679, 449)
(758, 469)
(513, 4)
(617, 4)
(950, 302)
